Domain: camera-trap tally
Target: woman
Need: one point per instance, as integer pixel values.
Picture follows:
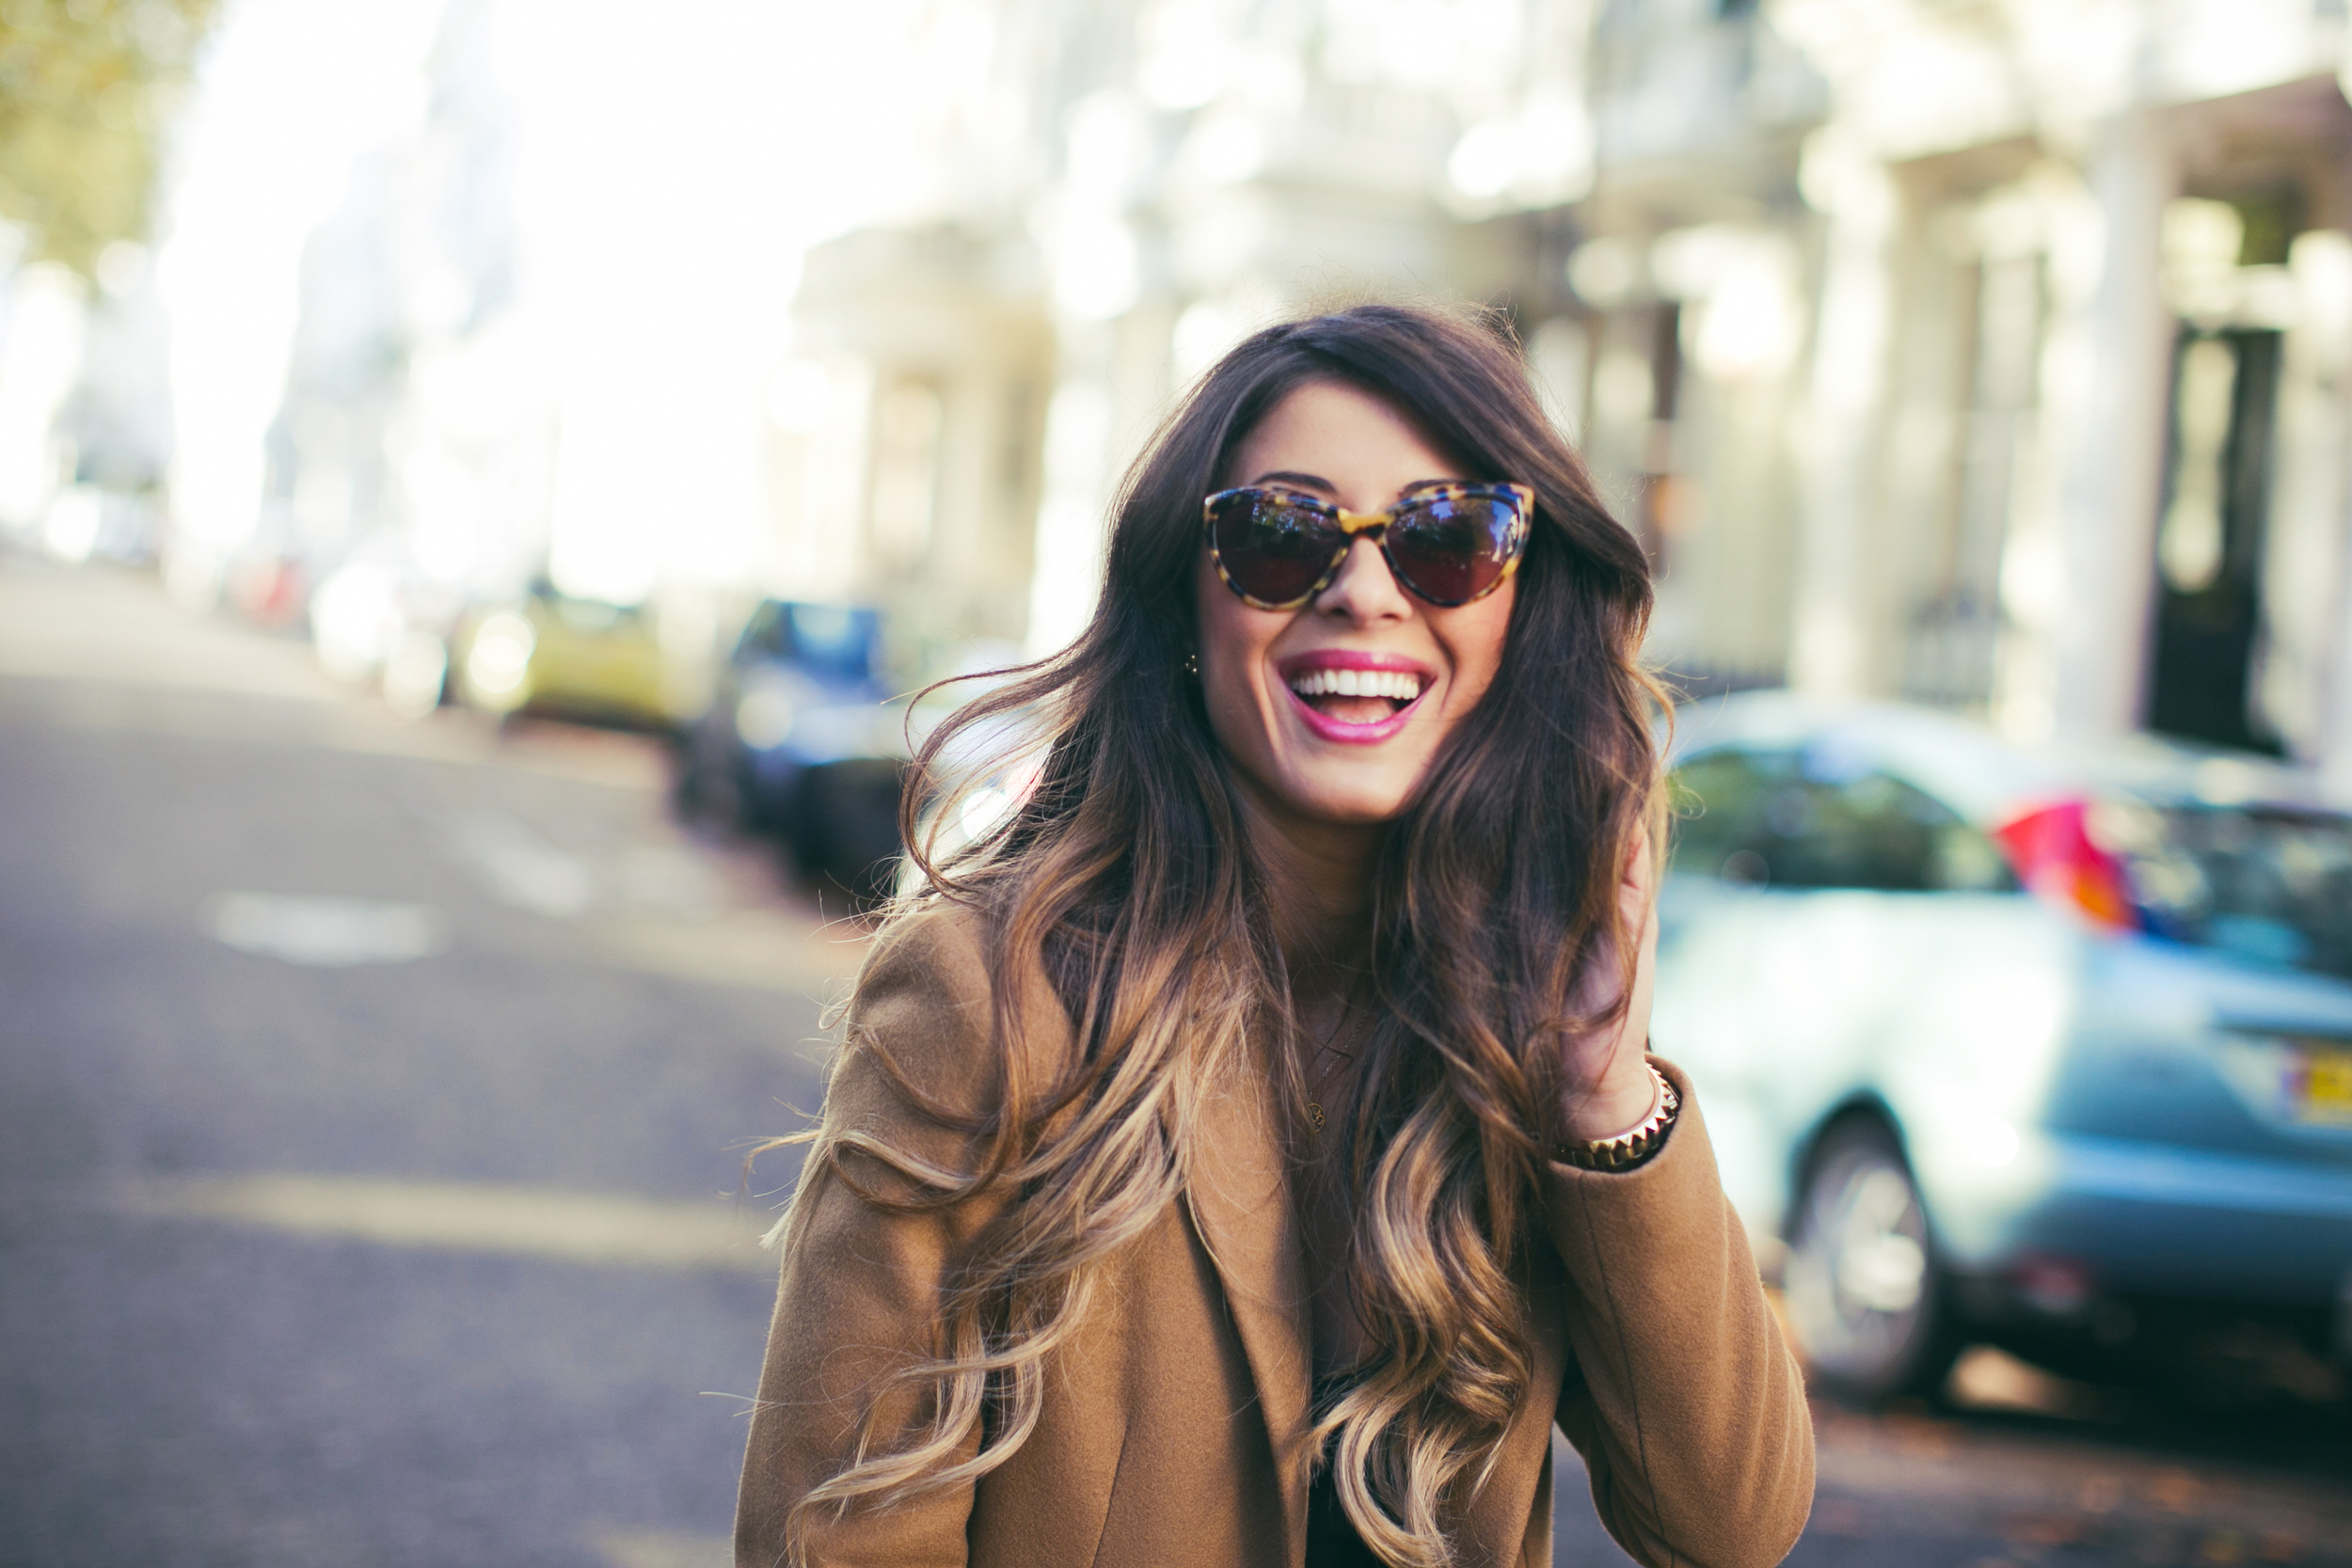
(1245, 1152)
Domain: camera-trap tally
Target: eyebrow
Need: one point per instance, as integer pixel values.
(1305, 482)
(1315, 481)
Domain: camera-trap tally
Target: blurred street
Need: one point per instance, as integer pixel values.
(371, 1100)
(407, 1234)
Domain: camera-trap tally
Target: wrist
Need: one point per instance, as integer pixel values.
(1621, 1102)
(1636, 1145)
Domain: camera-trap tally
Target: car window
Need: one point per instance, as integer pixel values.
(594, 617)
(764, 634)
(1787, 818)
(827, 639)
(2270, 884)
(835, 640)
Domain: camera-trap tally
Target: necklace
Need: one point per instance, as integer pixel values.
(1314, 1108)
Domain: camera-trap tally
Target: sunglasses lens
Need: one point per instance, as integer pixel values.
(1450, 550)
(1272, 550)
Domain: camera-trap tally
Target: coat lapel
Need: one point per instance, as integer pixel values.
(1239, 1194)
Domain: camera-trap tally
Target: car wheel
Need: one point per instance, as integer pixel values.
(846, 827)
(687, 787)
(704, 782)
(1862, 1287)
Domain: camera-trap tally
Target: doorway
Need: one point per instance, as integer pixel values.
(2209, 536)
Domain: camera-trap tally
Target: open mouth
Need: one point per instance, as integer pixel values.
(1358, 696)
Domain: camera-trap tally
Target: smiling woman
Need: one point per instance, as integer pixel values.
(1357, 660)
(1244, 1150)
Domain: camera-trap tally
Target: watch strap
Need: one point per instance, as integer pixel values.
(1628, 1149)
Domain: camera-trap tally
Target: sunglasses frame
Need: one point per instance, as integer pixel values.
(1374, 526)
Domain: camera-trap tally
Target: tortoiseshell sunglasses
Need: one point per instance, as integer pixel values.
(1447, 544)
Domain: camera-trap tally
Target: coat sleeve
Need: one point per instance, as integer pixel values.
(861, 1283)
(1683, 1397)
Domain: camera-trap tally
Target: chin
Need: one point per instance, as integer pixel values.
(1350, 805)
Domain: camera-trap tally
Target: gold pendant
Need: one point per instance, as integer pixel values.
(1314, 1115)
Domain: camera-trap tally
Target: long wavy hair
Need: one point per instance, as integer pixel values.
(1126, 868)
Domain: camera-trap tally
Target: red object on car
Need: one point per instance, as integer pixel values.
(2055, 855)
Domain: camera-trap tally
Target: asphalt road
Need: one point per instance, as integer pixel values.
(373, 1105)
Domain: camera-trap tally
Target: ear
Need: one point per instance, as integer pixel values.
(1641, 865)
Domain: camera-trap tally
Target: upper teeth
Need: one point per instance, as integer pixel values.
(1400, 684)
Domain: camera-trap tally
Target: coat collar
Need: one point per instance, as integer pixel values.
(1239, 1192)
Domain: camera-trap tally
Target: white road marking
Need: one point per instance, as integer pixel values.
(325, 933)
(581, 1228)
(523, 869)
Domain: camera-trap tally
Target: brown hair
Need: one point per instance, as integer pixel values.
(1128, 870)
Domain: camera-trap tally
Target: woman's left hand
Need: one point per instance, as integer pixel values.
(1607, 1088)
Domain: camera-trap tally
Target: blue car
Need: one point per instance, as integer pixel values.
(2043, 1048)
(797, 742)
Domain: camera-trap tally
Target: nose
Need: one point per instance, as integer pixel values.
(1365, 591)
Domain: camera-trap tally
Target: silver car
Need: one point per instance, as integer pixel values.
(2043, 1049)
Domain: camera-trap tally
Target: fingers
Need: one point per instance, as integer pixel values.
(1641, 922)
(1637, 915)
(1637, 890)
(1611, 1055)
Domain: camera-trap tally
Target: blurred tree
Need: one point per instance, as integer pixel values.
(84, 90)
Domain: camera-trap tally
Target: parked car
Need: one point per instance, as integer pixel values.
(2051, 1050)
(994, 766)
(799, 742)
(555, 653)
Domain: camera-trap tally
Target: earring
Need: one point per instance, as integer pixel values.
(1192, 665)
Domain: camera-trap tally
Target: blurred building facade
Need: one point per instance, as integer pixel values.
(906, 435)
(1151, 181)
(2066, 440)
(1989, 355)
(417, 424)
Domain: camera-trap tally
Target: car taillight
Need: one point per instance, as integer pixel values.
(2055, 855)
(2060, 1287)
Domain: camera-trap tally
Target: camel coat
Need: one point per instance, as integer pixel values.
(1174, 1424)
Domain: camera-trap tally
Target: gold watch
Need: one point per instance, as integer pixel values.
(1628, 1149)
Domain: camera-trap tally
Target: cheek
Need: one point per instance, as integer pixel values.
(1234, 639)
(1474, 635)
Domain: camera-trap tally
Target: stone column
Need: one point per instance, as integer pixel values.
(2106, 385)
(1832, 649)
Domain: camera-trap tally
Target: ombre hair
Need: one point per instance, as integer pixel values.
(1127, 871)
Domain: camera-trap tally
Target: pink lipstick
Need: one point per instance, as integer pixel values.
(1352, 673)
